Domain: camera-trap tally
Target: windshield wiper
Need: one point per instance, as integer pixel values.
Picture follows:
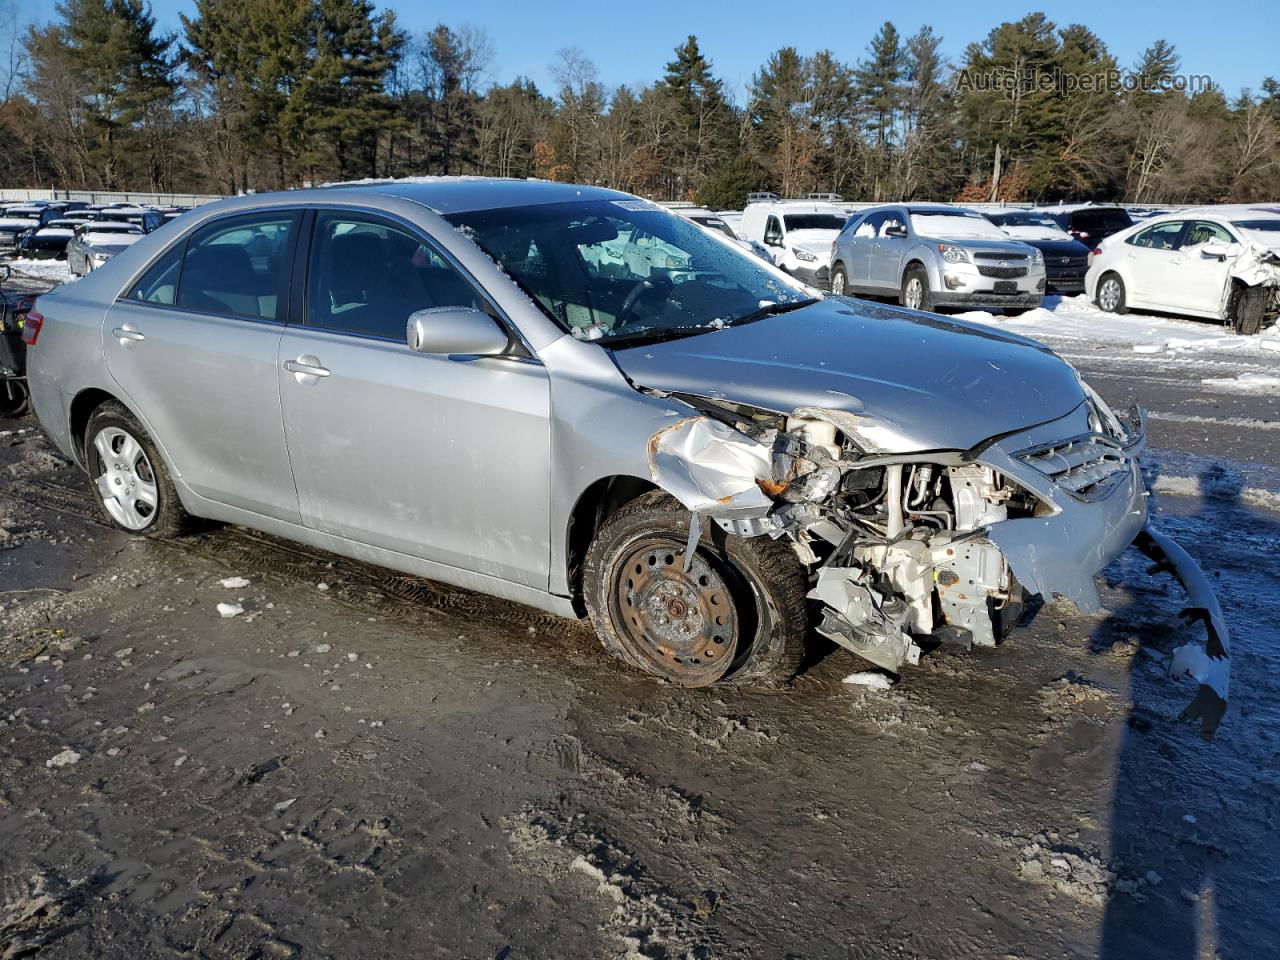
(771, 310)
(649, 335)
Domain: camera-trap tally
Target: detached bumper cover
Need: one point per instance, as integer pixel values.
(1209, 664)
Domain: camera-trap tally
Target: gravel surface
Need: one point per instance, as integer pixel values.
(390, 768)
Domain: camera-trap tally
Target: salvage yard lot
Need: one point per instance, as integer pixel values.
(367, 765)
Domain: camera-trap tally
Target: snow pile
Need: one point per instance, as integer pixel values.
(1245, 383)
(229, 610)
(869, 678)
(1076, 318)
(56, 270)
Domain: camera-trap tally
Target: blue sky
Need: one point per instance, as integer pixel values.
(630, 41)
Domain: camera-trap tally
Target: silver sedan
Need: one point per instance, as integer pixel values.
(569, 397)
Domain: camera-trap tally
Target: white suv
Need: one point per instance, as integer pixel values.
(798, 234)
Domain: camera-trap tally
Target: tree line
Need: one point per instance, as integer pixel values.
(268, 94)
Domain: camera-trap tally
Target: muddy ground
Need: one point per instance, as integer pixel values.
(364, 765)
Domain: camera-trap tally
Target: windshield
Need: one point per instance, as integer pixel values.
(944, 224)
(715, 223)
(621, 269)
(1268, 230)
(1090, 220)
(813, 221)
(1023, 220)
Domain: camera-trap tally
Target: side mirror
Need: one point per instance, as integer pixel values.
(1214, 249)
(772, 241)
(455, 331)
(895, 230)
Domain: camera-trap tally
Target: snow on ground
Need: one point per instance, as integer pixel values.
(1076, 318)
(56, 271)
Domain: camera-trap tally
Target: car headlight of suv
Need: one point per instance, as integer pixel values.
(1037, 258)
(804, 255)
(953, 254)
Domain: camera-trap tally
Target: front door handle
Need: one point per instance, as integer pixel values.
(127, 334)
(306, 366)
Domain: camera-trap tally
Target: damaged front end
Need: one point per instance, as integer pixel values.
(940, 544)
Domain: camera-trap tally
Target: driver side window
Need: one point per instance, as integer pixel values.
(1202, 231)
(868, 228)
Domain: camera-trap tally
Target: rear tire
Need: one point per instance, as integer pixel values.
(1111, 294)
(915, 292)
(129, 478)
(738, 617)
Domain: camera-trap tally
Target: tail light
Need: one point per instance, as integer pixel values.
(1097, 251)
(31, 327)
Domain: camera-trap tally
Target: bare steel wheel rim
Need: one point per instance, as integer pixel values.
(127, 483)
(915, 293)
(682, 625)
(837, 283)
(1109, 295)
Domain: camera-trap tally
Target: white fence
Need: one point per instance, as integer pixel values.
(108, 196)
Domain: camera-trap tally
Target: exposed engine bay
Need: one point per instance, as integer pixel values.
(900, 547)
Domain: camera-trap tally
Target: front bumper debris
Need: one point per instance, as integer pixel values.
(1210, 663)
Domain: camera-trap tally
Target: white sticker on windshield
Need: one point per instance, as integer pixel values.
(635, 205)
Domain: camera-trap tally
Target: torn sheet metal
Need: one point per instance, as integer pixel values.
(1255, 264)
(711, 468)
(1209, 664)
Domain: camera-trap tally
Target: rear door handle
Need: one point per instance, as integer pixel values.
(306, 366)
(127, 334)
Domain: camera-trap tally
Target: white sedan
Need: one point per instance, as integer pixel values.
(1220, 263)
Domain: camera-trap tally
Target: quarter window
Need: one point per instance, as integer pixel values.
(160, 283)
(367, 276)
(237, 267)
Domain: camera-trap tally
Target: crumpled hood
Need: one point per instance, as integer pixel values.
(921, 381)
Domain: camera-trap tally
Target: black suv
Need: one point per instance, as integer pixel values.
(1091, 225)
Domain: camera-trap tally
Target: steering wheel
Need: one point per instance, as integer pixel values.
(642, 289)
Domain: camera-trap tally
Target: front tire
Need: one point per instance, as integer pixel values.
(738, 615)
(839, 280)
(129, 479)
(915, 292)
(1111, 294)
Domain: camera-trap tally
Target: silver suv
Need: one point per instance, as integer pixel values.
(933, 255)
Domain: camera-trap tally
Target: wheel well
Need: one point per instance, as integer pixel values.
(596, 504)
(82, 407)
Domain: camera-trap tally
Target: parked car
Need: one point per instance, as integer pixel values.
(797, 234)
(17, 221)
(1065, 258)
(49, 241)
(934, 255)
(1219, 263)
(732, 452)
(1090, 223)
(714, 224)
(96, 242)
(148, 220)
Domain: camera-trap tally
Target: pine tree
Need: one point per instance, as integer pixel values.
(704, 122)
(113, 69)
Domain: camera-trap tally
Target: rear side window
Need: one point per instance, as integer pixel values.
(1093, 221)
(368, 275)
(160, 283)
(237, 267)
(1163, 236)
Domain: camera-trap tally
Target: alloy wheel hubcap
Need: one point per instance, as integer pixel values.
(914, 293)
(681, 625)
(127, 483)
(837, 283)
(1110, 295)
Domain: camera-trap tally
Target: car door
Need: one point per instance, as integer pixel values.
(1195, 281)
(1148, 259)
(438, 457)
(193, 345)
(887, 255)
(858, 247)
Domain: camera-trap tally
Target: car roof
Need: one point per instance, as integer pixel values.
(463, 194)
